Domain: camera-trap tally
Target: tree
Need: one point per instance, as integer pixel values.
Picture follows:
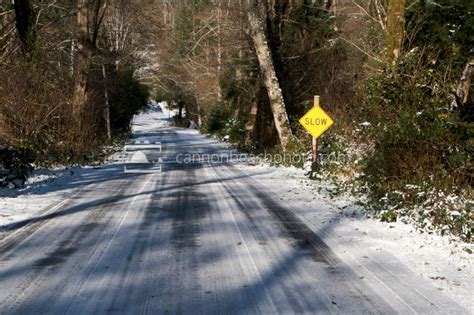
(464, 90)
(23, 19)
(267, 69)
(395, 30)
(89, 17)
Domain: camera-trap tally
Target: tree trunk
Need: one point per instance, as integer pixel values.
(23, 19)
(267, 69)
(395, 30)
(464, 88)
(219, 50)
(86, 43)
(328, 5)
(250, 126)
(197, 115)
(71, 55)
(83, 60)
(79, 99)
(180, 110)
(107, 105)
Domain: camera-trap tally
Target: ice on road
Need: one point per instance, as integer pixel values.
(198, 238)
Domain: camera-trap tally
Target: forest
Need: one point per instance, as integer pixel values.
(395, 75)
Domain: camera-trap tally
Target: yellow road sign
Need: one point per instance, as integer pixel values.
(316, 121)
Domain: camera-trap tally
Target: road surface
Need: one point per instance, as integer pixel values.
(192, 238)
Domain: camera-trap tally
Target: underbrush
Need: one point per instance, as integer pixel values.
(407, 156)
(431, 206)
(36, 111)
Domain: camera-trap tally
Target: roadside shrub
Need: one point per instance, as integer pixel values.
(217, 118)
(36, 112)
(15, 165)
(296, 154)
(416, 142)
(127, 97)
(419, 148)
(182, 122)
(414, 134)
(235, 129)
(34, 105)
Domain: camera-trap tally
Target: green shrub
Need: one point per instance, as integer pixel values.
(127, 96)
(417, 142)
(415, 137)
(217, 118)
(15, 164)
(236, 130)
(181, 122)
(296, 154)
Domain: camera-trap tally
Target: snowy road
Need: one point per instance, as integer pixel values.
(195, 238)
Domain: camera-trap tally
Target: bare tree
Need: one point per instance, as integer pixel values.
(465, 85)
(89, 17)
(24, 19)
(267, 69)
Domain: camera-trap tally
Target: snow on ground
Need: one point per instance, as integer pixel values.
(45, 189)
(442, 261)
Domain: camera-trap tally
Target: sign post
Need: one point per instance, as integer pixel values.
(316, 122)
(314, 143)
